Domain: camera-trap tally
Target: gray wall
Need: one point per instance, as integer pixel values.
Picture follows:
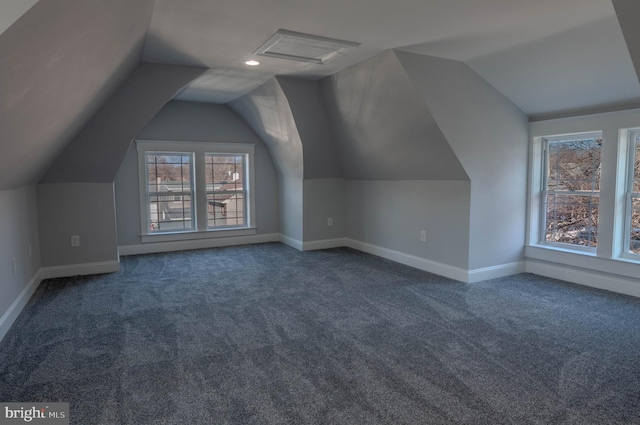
(323, 187)
(267, 111)
(489, 135)
(305, 99)
(66, 205)
(391, 214)
(290, 208)
(19, 229)
(402, 176)
(324, 198)
(199, 122)
(83, 209)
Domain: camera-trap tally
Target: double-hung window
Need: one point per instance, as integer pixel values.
(632, 228)
(571, 190)
(201, 189)
(169, 191)
(226, 189)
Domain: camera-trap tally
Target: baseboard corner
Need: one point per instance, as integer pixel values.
(495, 272)
(80, 269)
(430, 266)
(293, 243)
(324, 244)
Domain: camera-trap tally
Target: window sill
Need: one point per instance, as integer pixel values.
(193, 235)
(584, 260)
(629, 258)
(578, 250)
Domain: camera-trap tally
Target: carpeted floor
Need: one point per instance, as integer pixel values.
(265, 334)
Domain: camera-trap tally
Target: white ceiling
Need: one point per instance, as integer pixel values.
(547, 56)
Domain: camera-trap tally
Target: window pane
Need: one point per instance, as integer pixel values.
(167, 213)
(574, 165)
(225, 190)
(634, 235)
(636, 168)
(225, 209)
(172, 167)
(572, 219)
(170, 191)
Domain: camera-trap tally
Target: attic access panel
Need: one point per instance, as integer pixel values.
(302, 47)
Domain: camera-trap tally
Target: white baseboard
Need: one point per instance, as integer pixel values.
(150, 248)
(16, 307)
(80, 269)
(324, 244)
(591, 278)
(293, 243)
(494, 272)
(410, 260)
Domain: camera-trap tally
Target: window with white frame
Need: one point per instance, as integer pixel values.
(571, 190)
(196, 188)
(226, 190)
(632, 232)
(169, 191)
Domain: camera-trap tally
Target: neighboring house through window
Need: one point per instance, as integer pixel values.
(226, 190)
(169, 191)
(191, 189)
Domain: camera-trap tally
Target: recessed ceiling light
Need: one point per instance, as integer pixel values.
(252, 63)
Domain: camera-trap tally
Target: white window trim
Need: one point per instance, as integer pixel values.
(628, 136)
(537, 187)
(200, 230)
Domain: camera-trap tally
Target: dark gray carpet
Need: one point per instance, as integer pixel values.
(268, 335)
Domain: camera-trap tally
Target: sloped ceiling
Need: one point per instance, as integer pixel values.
(556, 75)
(60, 60)
(267, 110)
(312, 122)
(489, 136)
(58, 64)
(628, 12)
(95, 154)
(550, 57)
(383, 129)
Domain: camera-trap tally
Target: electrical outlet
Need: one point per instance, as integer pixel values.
(13, 265)
(75, 241)
(330, 221)
(423, 236)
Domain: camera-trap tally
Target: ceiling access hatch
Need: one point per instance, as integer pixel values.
(304, 47)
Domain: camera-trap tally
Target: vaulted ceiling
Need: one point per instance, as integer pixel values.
(61, 59)
(546, 56)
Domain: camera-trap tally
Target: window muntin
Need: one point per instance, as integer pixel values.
(170, 191)
(226, 190)
(632, 233)
(571, 190)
